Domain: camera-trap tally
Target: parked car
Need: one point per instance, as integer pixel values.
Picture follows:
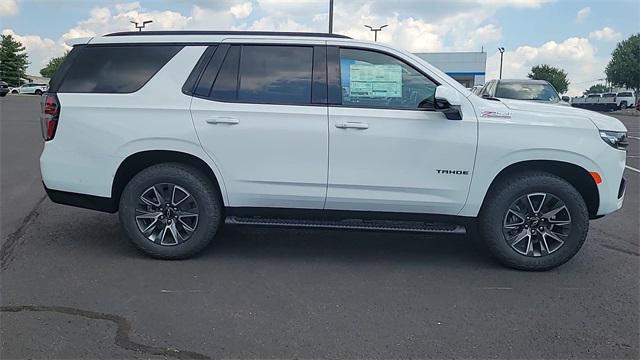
(4, 88)
(31, 88)
(624, 99)
(189, 130)
(476, 89)
(522, 89)
(604, 101)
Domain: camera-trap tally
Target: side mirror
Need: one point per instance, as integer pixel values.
(448, 101)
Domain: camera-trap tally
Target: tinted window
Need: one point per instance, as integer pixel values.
(625, 94)
(276, 74)
(608, 95)
(524, 91)
(115, 69)
(372, 79)
(225, 87)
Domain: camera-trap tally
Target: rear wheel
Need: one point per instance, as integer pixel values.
(534, 221)
(170, 211)
(38, 92)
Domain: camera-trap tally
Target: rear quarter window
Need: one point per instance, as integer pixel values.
(115, 69)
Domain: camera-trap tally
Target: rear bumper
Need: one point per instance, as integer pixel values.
(85, 201)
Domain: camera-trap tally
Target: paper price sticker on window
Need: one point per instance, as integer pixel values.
(375, 80)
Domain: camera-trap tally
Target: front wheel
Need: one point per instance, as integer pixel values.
(170, 211)
(534, 221)
(623, 105)
(38, 92)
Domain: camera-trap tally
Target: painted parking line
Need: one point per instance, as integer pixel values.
(633, 137)
(632, 169)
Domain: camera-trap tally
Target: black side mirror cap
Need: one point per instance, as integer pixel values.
(451, 112)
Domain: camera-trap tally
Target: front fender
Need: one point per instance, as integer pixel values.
(486, 173)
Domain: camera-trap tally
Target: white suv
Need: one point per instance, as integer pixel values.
(31, 88)
(182, 131)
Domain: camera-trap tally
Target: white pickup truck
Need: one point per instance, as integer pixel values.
(605, 102)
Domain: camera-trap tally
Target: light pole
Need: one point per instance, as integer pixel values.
(501, 49)
(375, 31)
(330, 16)
(141, 26)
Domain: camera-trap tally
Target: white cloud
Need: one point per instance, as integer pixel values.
(479, 37)
(241, 11)
(605, 34)
(576, 56)
(8, 8)
(583, 14)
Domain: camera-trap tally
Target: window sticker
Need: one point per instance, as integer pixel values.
(368, 80)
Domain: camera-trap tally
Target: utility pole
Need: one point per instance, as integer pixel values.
(501, 49)
(141, 26)
(330, 16)
(375, 31)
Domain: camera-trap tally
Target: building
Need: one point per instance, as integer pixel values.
(37, 79)
(468, 68)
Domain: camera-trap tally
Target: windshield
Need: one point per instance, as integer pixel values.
(523, 91)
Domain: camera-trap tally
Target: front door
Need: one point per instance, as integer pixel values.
(389, 150)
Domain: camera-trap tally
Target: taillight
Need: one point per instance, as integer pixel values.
(50, 112)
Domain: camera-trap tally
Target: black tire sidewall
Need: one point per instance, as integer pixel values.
(492, 216)
(202, 189)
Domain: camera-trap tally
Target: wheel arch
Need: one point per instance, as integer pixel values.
(139, 161)
(575, 175)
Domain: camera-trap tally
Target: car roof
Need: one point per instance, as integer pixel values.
(232, 33)
(522, 81)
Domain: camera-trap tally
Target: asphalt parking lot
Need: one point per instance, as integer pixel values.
(72, 286)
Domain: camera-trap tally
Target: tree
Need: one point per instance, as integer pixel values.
(557, 77)
(53, 65)
(596, 89)
(624, 68)
(13, 61)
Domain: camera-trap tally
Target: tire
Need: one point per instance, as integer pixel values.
(14, 92)
(623, 105)
(186, 180)
(38, 92)
(498, 223)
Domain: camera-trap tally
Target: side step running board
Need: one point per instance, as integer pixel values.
(375, 225)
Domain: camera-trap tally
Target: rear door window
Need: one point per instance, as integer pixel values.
(276, 74)
(115, 69)
(265, 74)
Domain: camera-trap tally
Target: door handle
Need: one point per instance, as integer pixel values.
(352, 125)
(223, 120)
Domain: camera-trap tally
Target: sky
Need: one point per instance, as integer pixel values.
(576, 35)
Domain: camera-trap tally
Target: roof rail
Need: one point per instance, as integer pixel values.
(206, 32)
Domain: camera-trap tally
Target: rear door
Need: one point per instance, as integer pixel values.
(389, 149)
(260, 112)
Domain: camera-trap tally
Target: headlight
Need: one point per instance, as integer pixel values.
(617, 139)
